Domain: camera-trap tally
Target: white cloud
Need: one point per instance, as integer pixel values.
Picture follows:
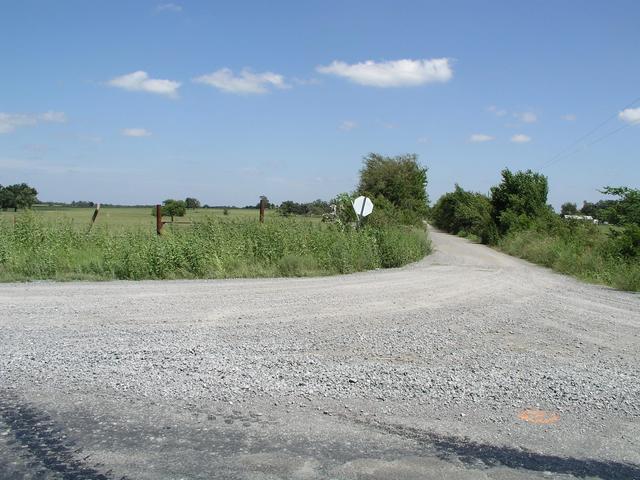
(140, 82)
(169, 7)
(480, 137)
(10, 121)
(498, 112)
(348, 125)
(526, 117)
(630, 115)
(520, 138)
(136, 132)
(396, 73)
(569, 117)
(246, 82)
(423, 140)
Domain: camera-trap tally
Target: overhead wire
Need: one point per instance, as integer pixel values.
(565, 153)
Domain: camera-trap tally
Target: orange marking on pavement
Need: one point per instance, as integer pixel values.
(539, 417)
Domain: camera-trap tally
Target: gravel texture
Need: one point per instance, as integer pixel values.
(417, 372)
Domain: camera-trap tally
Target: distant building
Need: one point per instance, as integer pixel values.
(584, 218)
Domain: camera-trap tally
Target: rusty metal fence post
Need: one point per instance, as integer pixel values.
(262, 207)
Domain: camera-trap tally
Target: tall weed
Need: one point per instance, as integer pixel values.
(32, 249)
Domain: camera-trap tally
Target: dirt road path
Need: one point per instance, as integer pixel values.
(421, 372)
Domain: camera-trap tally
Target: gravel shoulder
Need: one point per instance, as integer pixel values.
(418, 372)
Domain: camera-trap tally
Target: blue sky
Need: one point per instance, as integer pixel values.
(135, 102)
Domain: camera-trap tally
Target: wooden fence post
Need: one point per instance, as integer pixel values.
(262, 206)
(159, 219)
(95, 215)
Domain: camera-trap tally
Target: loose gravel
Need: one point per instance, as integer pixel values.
(457, 344)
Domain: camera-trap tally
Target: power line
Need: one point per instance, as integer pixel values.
(584, 147)
(563, 154)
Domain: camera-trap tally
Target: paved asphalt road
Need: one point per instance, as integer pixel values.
(468, 365)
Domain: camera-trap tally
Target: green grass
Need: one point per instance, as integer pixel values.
(584, 252)
(47, 245)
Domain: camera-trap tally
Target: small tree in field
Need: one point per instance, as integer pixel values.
(17, 196)
(191, 202)
(174, 208)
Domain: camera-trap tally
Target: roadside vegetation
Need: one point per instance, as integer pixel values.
(32, 246)
(515, 218)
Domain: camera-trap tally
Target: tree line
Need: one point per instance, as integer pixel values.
(515, 217)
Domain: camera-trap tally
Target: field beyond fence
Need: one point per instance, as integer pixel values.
(123, 245)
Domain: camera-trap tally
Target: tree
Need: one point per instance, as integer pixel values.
(318, 207)
(518, 199)
(627, 208)
(7, 199)
(267, 203)
(174, 208)
(17, 196)
(589, 208)
(569, 208)
(401, 180)
(465, 212)
(192, 202)
(289, 207)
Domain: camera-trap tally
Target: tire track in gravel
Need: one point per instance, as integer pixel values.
(42, 445)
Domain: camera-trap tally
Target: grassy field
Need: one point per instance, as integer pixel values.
(128, 217)
(56, 244)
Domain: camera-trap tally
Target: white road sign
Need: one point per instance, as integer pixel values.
(363, 206)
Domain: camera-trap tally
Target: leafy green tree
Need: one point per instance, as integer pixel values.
(520, 198)
(17, 196)
(267, 203)
(568, 208)
(318, 207)
(192, 202)
(627, 207)
(6, 198)
(289, 207)
(401, 180)
(589, 208)
(465, 212)
(174, 208)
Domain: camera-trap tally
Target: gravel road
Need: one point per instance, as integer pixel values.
(413, 373)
